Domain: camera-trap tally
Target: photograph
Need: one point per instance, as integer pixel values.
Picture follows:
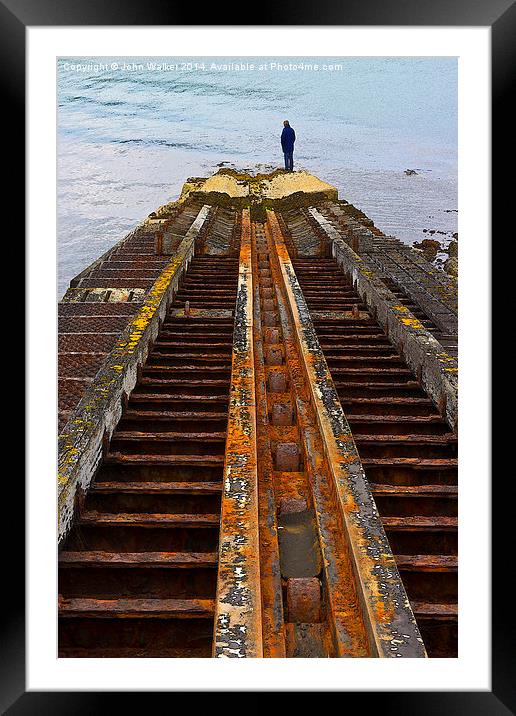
(258, 279)
(258, 274)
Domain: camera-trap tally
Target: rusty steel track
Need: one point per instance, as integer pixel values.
(138, 572)
(230, 515)
(320, 598)
(408, 451)
(311, 593)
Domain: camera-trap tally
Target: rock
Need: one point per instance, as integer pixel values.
(410, 172)
(452, 267)
(429, 248)
(453, 249)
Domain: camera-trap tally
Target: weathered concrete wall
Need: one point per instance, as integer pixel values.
(97, 414)
(436, 370)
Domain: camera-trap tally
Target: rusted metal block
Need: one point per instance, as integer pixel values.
(291, 485)
(269, 318)
(304, 600)
(277, 382)
(287, 457)
(268, 304)
(292, 504)
(282, 414)
(271, 335)
(283, 433)
(273, 355)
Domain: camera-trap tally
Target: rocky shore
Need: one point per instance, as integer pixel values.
(441, 248)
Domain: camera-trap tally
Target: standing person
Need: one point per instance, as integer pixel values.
(288, 137)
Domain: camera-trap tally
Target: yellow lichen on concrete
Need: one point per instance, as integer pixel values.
(413, 323)
(147, 311)
(445, 357)
(406, 320)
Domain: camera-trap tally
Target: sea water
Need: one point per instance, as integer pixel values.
(131, 130)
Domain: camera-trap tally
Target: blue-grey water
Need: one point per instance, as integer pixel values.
(131, 130)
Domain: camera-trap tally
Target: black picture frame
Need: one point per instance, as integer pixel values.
(15, 17)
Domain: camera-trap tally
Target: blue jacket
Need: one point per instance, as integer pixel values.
(288, 137)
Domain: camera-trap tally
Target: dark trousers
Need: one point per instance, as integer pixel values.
(289, 161)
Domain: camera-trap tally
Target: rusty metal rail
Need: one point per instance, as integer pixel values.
(374, 618)
(408, 451)
(238, 628)
(320, 607)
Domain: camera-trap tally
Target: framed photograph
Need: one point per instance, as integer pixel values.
(259, 238)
